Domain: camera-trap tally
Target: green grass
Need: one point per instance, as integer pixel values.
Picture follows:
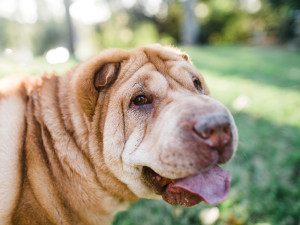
(261, 86)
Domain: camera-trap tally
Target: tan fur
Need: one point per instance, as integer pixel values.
(73, 154)
(12, 128)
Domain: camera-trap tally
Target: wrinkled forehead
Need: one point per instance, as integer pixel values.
(159, 56)
(148, 63)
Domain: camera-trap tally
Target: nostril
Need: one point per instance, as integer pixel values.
(204, 133)
(226, 128)
(214, 130)
(225, 133)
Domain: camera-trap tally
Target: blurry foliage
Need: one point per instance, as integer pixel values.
(295, 4)
(117, 33)
(132, 28)
(50, 35)
(285, 29)
(8, 35)
(4, 40)
(170, 25)
(39, 37)
(225, 28)
(226, 22)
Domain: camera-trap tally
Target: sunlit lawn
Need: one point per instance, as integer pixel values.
(262, 88)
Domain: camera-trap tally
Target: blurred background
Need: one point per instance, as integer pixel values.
(248, 51)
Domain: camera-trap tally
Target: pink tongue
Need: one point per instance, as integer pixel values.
(211, 185)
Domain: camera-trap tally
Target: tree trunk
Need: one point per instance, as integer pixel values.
(190, 27)
(70, 29)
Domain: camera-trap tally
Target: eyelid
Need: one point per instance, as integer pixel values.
(195, 78)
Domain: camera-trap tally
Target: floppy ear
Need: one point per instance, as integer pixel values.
(106, 75)
(94, 74)
(185, 56)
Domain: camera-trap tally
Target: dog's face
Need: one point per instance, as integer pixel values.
(163, 134)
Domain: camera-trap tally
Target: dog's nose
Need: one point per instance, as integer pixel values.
(214, 130)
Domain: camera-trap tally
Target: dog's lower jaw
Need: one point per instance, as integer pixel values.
(137, 182)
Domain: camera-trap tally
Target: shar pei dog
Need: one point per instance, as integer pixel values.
(123, 125)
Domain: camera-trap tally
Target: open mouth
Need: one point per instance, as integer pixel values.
(211, 186)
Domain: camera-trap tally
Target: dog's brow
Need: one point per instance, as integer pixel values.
(137, 83)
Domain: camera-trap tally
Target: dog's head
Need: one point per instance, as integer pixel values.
(159, 130)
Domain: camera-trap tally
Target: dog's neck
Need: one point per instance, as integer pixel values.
(61, 180)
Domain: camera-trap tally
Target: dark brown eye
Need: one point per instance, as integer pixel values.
(198, 85)
(140, 100)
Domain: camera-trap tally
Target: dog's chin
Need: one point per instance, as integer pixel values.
(211, 186)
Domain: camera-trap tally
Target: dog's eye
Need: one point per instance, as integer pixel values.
(140, 100)
(198, 85)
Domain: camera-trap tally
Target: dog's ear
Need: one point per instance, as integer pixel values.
(106, 75)
(93, 75)
(185, 56)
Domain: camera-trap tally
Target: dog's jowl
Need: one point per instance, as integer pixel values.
(123, 125)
